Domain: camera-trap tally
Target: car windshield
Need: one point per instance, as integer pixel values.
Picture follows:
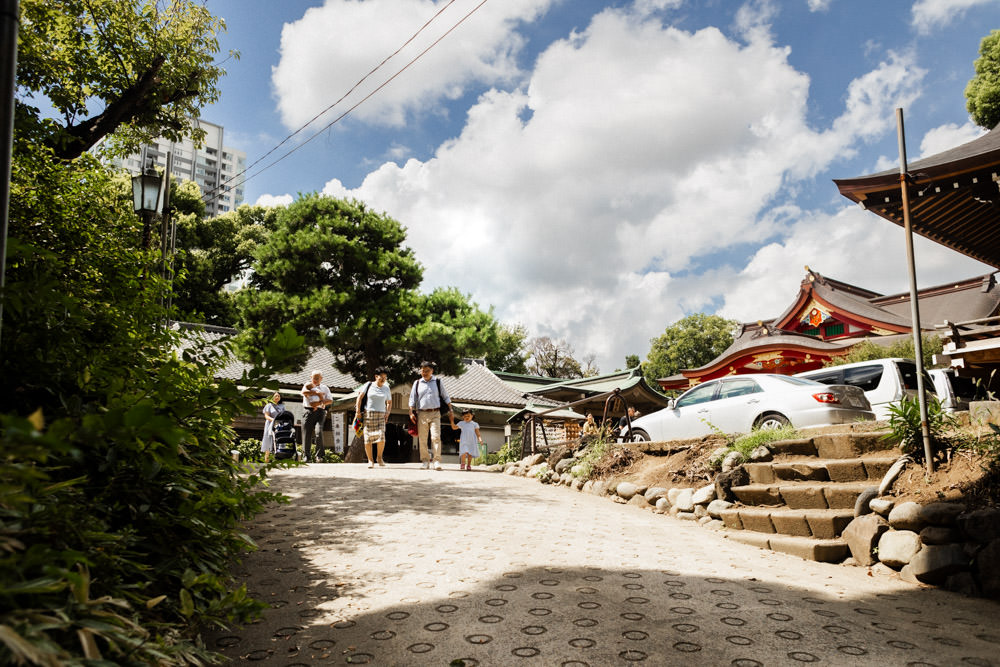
(796, 381)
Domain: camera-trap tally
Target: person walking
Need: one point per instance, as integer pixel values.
(315, 397)
(375, 403)
(468, 440)
(426, 399)
(272, 409)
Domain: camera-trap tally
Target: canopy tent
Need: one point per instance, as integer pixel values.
(954, 197)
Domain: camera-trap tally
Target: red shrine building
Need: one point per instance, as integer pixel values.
(829, 316)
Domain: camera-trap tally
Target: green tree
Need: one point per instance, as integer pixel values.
(509, 354)
(211, 253)
(632, 361)
(690, 342)
(148, 66)
(340, 274)
(982, 94)
(553, 358)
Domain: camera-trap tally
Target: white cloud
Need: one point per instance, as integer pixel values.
(852, 245)
(930, 14)
(274, 200)
(819, 5)
(580, 203)
(949, 136)
(332, 47)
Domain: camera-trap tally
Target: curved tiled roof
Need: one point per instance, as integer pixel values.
(764, 336)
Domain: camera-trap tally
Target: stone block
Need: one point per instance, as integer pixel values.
(761, 540)
(588, 486)
(731, 461)
(936, 562)
(987, 569)
(760, 473)
(801, 471)
(828, 524)
(714, 524)
(599, 488)
(836, 446)
(700, 511)
(662, 504)
(846, 470)
(703, 495)
(640, 502)
(981, 526)
(757, 494)
(941, 514)
(799, 447)
(756, 519)
(705, 520)
(724, 482)
(906, 516)
(940, 535)
(654, 493)
(716, 506)
(626, 490)
(687, 516)
(896, 548)
(862, 534)
(760, 454)
(731, 518)
(790, 523)
(875, 469)
(843, 496)
(823, 551)
(882, 506)
(804, 496)
(672, 495)
(684, 502)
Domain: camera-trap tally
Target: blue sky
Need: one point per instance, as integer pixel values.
(597, 170)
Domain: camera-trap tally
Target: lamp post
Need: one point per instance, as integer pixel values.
(145, 197)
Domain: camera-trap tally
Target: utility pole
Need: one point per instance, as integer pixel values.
(10, 11)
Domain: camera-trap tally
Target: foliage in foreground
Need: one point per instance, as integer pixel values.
(905, 426)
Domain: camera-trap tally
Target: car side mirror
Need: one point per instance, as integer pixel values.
(671, 403)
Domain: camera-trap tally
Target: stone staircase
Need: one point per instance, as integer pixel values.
(801, 501)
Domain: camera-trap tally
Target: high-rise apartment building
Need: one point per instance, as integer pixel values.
(215, 167)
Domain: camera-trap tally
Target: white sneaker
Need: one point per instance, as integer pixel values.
(425, 465)
(371, 464)
(437, 465)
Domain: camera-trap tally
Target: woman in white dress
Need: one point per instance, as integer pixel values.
(272, 409)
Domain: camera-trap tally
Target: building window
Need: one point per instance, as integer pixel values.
(834, 329)
(811, 332)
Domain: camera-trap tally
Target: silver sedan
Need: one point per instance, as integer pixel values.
(741, 403)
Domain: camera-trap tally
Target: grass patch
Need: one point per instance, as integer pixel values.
(748, 442)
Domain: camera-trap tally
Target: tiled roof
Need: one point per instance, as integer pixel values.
(754, 336)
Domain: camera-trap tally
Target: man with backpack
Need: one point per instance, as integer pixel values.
(427, 400)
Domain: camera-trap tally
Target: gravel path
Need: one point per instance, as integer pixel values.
(402, 566)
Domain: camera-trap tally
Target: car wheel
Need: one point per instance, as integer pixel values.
(771, 420)
(638, 435)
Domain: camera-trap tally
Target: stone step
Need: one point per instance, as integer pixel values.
(821, 524)
(851, 445)
(809, 548)
(820, 470)
(802, 495)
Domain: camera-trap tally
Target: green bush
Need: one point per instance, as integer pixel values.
(594, 452)
(905, 426)
(748, 442)
(249, 450)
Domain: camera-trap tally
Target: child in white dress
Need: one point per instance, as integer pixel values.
(468, 440)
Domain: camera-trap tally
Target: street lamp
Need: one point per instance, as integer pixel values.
(145, 196)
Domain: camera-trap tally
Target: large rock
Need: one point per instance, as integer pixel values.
(761, 454)
(532, 460)
(906, 516)
(881, 506)
(724, 482)
(716, 507)
(940, 535)
(704, 495)
(862, 535)
(638, 501)
(896, 548)
(718, 454)
(557, 455)
(626, 490)
(599, 488)
(654, 493)
(981, 525)
(862, 504)
(935, 563)
(672, 495)
(987, 568)
(588, 486)
(684, 502)
(565, 465)
(941, 514)
(662, 504)
(731, 461)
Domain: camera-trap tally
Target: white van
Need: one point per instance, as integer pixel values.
(954, 392)
(884, 381)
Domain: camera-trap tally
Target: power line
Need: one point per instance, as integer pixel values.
(212, 195)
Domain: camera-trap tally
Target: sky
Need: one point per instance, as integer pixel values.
(596, 170)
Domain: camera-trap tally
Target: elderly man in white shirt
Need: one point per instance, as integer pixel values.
(426, 398)
(315, 397)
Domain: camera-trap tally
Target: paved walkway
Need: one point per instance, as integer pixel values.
(402, 566)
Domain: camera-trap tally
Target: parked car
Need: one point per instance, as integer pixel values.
(741, 403)
(953, 391)
(884, 381)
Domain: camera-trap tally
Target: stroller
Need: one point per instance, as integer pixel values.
(284, 436)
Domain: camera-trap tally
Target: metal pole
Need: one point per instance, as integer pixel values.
(10, 12)
(918, 347)
(164, 232)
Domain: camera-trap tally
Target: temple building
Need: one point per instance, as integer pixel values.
(829, 316)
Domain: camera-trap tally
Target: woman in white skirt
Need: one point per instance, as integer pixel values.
(377, 404)
(272, 409)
